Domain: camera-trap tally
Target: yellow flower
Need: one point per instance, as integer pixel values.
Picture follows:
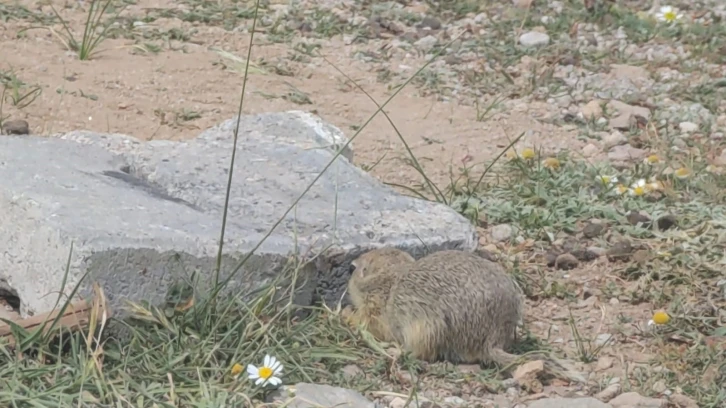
(236, 369)
(652, 159)
(551, 163)
(528, 154)
(511, 155)
(660, 317)
(682, 173)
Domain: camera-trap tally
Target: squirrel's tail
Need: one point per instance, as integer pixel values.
(552, 365)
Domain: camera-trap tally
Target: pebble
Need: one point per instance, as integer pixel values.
(592, 110)
(534, 39)
(590, 150)
(603, 338)
(633, 399)
(566, 262)
(502, 232)
(626, 154)
(688, 127)
(16, 127)
(427, 43)
(614, 139)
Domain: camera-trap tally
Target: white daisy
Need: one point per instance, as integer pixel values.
(269, 373)
(638, 188)
(608, 180)
(668, 14)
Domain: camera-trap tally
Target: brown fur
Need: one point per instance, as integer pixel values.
(449, 305)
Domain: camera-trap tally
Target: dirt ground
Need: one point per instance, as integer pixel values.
(177, 93)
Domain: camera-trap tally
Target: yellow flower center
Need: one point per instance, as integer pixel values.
(527, 154)
(653, 159)
(622, 189)
(265, 372)
(670, 16)
(236, 369)
(605, 179)
(638, 191)
(682, 172)
(661, 317)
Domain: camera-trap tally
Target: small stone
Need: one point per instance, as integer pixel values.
(682, 401)
(454, 400)
(502, 232)
(590, 150)
(667, 222)
(610, 392)
(558, 402)
(604, 362)
(614, 301)
(529, 369)
(534, 39)
(688, 127)
(397, 402)
(430, 22)
(626, 154)
(633, 399)
(351, 371)
(488, 255)
(659, 387)
(522, 3)
(583, 255)
(604, 338)
(427, 43)
(469, 368)
(592, 110)
(597, 250)
(614, 139)
(593, 230)
(16, 127)
(625, 112)
(566, 262)
(637, 217)
(641, 255)
(620, 251)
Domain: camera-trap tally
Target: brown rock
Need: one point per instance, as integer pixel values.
(593, 230)
(16, 127)
(621, 250)
(682, 401)
(667, 222)
(566, 262)
(636, 217)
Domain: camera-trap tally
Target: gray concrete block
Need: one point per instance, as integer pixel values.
(143, 215)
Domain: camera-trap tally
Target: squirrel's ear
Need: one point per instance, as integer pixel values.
(354, 264)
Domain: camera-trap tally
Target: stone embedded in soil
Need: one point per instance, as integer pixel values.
(305, 395)
(142, 215)
(621, 250)
(592, 230)
(566, 262)
(502, 232)
(633, 399)
(16, 127)
(557, 402)
(534, 39)
(636, 217)
(667, 222)
(624, 155)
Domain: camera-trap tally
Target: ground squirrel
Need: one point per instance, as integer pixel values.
(449, 305)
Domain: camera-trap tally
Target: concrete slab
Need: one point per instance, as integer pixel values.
(143, 215)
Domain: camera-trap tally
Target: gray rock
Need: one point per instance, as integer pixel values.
(534, 39)
(635, 400)
(688, 127)
(427, 43)
(557, 402)
(144, 216)
(304, 395)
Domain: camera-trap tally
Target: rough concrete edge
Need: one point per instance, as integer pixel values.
(328, 133)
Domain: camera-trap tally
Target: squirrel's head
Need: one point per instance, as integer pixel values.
(381, 260)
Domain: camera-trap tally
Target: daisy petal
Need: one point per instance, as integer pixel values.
(252, 370)
(274, 365)
(275, 381)
(259, 381)
(278, 370)
(267, 361)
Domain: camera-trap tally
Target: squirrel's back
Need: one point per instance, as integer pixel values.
(454, 305)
